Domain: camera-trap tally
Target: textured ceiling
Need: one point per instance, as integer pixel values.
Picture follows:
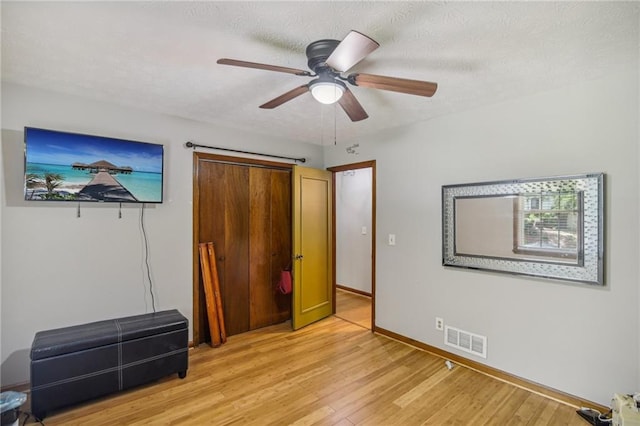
(161, 56)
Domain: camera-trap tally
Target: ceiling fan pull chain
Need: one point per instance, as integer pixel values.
(321, 125)
(335, 126)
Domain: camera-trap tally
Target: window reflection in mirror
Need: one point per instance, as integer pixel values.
(549, 225)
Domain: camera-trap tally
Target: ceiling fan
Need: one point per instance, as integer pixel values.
(328, 59)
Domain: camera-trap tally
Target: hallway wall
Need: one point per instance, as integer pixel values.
(353, 228)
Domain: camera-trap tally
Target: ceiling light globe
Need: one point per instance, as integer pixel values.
(326, 92)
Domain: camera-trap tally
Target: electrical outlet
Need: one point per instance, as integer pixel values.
(439, 324)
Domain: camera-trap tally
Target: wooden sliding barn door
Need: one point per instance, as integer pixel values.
(244, 208)
(269, 246)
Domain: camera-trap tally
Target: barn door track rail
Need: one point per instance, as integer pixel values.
(193, 145)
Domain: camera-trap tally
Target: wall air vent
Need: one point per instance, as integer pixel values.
(463, 340)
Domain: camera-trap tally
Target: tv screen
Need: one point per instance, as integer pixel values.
(61, 166)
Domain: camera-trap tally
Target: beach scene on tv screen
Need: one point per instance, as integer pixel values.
(63, 166)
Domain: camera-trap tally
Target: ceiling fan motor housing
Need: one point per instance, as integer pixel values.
(318, 52)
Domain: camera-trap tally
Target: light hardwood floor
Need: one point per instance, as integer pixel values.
(332, 372)
(353, 307)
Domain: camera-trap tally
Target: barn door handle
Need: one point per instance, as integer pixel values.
(298, 257)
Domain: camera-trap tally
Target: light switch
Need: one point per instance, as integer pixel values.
(392, 239)
(364, 230)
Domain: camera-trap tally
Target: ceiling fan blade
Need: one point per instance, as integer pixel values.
(351, 50)
(402, 85)
(235, 62)
(351, 106)
(286, 97)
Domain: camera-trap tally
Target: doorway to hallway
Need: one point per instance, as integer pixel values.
(354, 242)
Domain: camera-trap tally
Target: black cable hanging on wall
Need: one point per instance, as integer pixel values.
(146, 257)
(190, 144)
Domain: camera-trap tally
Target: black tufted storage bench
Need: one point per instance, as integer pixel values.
(78, 363)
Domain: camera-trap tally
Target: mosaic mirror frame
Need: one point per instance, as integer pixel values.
(491, 226)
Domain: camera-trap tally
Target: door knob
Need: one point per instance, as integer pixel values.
(298, 257)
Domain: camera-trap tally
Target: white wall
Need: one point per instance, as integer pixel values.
(59, 270)
(579, 339)
(353, 212)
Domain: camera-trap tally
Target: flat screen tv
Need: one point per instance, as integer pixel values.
(62, 166)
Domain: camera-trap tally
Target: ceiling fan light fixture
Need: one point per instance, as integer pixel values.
(327, 92)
